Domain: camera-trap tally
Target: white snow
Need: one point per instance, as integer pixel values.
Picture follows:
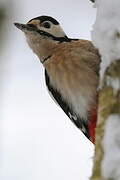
(114, 83)
(105, 31)
(111, 145)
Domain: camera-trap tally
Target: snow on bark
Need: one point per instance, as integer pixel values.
(106, 31)
(106, 37)
(114, 83)
(111, 145)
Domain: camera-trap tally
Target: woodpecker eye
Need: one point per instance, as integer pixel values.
(46, 25)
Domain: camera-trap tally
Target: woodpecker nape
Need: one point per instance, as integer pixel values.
(71, 70)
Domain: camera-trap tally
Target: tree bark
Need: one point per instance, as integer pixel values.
(109, 103)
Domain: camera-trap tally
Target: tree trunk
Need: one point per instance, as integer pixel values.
(109, 104)
(107, 146)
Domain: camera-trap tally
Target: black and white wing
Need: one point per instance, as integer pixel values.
(80, 123)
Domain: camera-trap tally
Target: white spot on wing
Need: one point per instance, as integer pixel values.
(72, 116)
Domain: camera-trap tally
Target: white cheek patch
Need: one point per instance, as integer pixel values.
(55, 30)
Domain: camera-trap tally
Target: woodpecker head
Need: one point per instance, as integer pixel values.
(43, 33)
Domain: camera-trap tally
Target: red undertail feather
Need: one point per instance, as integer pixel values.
(92, 125)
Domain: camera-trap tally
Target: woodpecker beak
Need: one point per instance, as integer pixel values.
(24, 27)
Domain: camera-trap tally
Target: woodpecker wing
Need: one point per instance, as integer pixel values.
(80, 123)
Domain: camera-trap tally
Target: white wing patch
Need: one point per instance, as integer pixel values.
(72, 116)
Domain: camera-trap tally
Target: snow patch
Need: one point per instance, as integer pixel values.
(106, 31)
(111, 146)
(114, 83)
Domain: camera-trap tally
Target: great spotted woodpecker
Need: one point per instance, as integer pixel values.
(71, 70)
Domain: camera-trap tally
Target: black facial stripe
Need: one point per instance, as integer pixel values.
(33, 28)
(45, 18)
(60, 39)
(46, 59)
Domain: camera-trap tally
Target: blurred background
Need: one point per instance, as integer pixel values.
(37, 140)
